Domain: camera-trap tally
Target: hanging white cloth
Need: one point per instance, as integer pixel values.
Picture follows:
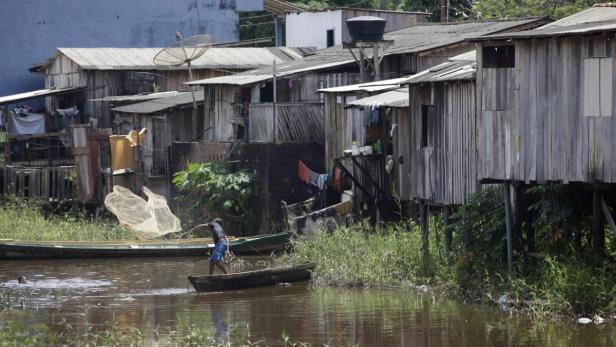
(31, 123)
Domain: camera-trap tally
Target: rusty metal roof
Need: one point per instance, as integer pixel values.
(142, 58)
(416, 39)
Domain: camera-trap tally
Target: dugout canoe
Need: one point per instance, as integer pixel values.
(251, 279)
(259, 244)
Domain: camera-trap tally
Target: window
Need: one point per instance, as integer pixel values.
(597, 87)
(498, 56)
(330, 37)
(426, 111)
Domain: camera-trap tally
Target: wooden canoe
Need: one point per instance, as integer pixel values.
(251, 279)
(259, 244)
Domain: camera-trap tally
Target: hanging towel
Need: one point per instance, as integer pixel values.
(338, 179)
(303, 172)
(322, 181)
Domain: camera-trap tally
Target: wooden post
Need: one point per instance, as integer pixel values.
(277, 31)
(375, 59)
(274, 102)
(7, 144)
(444, 11)
(608, 216)
(362, 72)
(598, 233)
(448, 233)
(424, 217)
(507, 197)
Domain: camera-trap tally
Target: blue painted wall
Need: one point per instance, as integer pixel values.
(31, 30)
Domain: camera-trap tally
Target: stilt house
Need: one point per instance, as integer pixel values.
(546, 101)
(426, 46)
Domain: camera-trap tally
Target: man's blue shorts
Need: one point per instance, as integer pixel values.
(219, 252)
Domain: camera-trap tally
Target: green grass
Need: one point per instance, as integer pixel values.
(359, 257)
(24, 220)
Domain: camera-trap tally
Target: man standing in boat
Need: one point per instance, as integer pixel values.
(221, 245)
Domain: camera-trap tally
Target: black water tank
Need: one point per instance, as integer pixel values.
(366, 28)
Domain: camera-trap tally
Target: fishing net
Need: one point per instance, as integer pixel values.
(307, 217)
(147, 219)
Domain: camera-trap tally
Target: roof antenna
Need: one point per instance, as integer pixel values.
(181, 52)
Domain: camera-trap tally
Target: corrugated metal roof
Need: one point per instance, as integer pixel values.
(564, 30)
(455, 69)
(394, 98)
(281, 7)
(367, 87)
(139, 97)
(159, 105)
(215, 57)
(15, 98)
(596, 13)
(415, 39)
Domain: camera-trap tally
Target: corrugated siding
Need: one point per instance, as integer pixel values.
(545, 136)
(295, 122)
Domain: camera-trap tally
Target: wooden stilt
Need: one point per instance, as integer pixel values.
(507, 197)
(598, 233)
(608, 216)
(448, 233)
(424, 215)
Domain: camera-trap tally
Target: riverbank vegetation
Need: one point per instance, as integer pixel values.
(556, 272)
(31, 219)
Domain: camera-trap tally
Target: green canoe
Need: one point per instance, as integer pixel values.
(258, 244)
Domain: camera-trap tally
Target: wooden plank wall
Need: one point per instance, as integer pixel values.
(542, 134)
(444, 172)
(219, 114)
(301, 122)
(342, 126)
(261, 124)
(304, 88)
(402, 152)
(56, 183)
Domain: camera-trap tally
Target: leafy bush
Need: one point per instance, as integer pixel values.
(479, 237)
(212, 189)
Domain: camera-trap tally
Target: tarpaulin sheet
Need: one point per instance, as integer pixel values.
(31, 123)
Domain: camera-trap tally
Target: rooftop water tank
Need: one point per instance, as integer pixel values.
(366, 28)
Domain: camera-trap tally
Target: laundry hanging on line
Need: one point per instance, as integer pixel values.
(310, 177)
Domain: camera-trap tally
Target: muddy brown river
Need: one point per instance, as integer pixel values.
(153, 293)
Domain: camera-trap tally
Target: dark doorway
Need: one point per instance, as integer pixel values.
(330, 37)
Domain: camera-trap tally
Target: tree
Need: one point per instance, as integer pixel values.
(497, 9)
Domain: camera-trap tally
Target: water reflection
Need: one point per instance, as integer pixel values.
(153, 293)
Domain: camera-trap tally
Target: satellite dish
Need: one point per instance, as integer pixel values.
(184, 51)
